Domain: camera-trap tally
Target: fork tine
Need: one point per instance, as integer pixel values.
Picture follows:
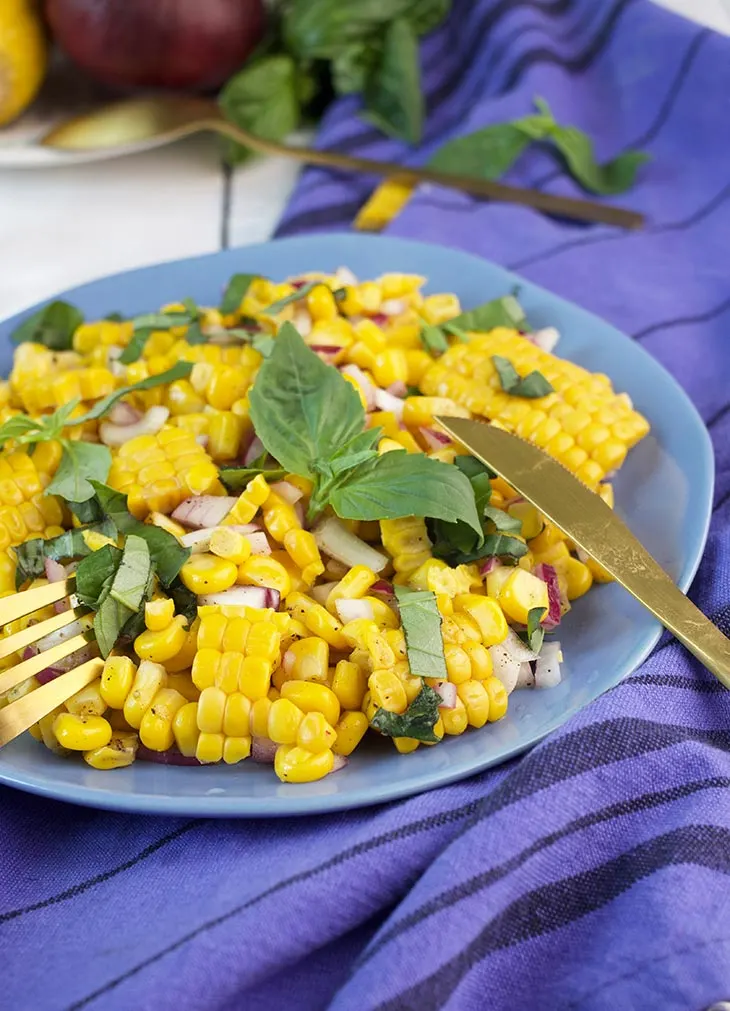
(20, 604)
(27, 668)
(19, 640)
(22, 714)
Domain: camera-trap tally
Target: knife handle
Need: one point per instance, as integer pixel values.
(645, 579)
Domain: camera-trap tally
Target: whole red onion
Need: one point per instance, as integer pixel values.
(193, 44)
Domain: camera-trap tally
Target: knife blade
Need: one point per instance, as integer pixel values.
(593, 526)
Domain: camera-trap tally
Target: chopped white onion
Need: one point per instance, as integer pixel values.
(436, 440)
(393, 306)
(244, 596)
(526, 677)
(345, 277)
(254, 451)
(123, 413)
(288, 491)
(517, 648)
(259, 543)
(368, 390)
(447, 691)
(385, 401)
(333, 537)
(322, 592)
(506, 666)
(303, 322)
(546, 339)
(117, 435)
(55, 572)
(351, 610)
(199, 540)
(202, 440)
(339, 763)
(59, 636)
(547, 666)
(203, 511)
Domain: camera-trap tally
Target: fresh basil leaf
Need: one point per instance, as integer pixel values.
(194, 334)
(416, 722)
(393, 95)
(136, 346)
(532, 386)
(535, 633)
(31, 555)
(301, 408)
(294, 296)
(18, 428)
(161, 320)
(456, 331)
(80, 463)
(132, 627)
(425, 15)
(504, 523)
(433, 339)
(421, 621)
(95, 574)
(262, 98)
(114, 505)
(356, 451)
(505, 311)
(186, 602)
(236, 478)
(235, 292)
(264, 344)
(109, 621)
(351, 67)
(87, 512)
(53, 326)
(502, 546)
(406, 484)
(470, 466)
(413, 391)
(180, 370)
(133, 573)
(166, 552)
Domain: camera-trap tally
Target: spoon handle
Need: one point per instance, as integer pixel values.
(584, 210)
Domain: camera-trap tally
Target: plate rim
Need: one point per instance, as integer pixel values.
(293, 806)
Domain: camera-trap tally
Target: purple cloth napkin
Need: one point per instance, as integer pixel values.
(593, 873)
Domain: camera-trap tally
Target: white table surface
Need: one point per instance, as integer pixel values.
(63, 226)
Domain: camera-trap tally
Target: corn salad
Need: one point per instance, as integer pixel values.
(298, 644)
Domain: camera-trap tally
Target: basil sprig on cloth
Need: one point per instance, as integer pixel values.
(312, 423)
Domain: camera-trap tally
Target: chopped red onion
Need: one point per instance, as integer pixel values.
(116, 435)
(259, 543)
(386, 401)
(287, 491)
(326, 351)
(75, 659)
(244, 596)
(380, 319)
(351, 610)
(436, 440)
(170, 757)
(298, 283)
(447, 691)
(398, 388)
(254, 451)
(382, 586)
(549, 576)
(55, 572)
(547, 666)
(333, 537)
(299, 511)
(263, 750)
(339, 763)
(203, 511)
(489, 565)
(368, 390)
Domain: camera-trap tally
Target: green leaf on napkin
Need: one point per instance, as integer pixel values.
(393, 95)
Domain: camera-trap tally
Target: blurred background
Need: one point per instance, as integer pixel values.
(65, 218)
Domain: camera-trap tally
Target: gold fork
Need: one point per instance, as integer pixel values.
(20, 715)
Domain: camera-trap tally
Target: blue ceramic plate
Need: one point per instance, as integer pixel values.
(664, 492)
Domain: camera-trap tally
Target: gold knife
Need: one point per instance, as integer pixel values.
(593, 526)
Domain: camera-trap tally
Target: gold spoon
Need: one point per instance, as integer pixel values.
(141, 124)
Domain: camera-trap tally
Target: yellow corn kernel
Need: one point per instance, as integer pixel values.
(263, 640)
(307, 659)
(530, 518)
(279, 516)
(185, 729)
(209, 748)
(185, 657)
(255, 678)
(163, 645)
(310, 697)
(302, 548)
(236, 749)
(477, 702)
(353, 585)
(148, 680)
(321, 303)
(548, 536)
(420, 411)
(350, 730)
(579, 578)
(349, 684)
(252, 497)
(487, 614)
(259, 717)
(229, 544)
(480, 660)
(156, 728)
(605, 490)
(94, 540)
(203, 573)
(118, 753)
(387, 691)
(455, 720)
(158, 614)
(321, 623)
(521, 593)
(183, 683)
(263, 570)
(458, 664)
(211, 710)
(496, 580)
(405, 745)
(390, 366)
(88, 702)
(237, 716)
(293, 764)
(225, 434)
(383, 613)
(440, 308)
(315, 734)
(600, 575)
(81, 733)
(284, 720)
(116, 680)
(497, 698)
(213, 626)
